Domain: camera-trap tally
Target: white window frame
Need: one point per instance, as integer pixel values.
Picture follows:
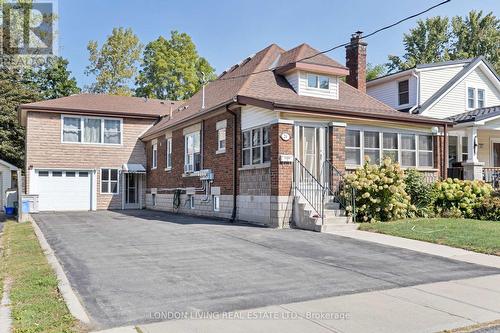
(191, 201)
(82, 130)
(419, 150)
(399, 92)
(460, 148)
(484, 97)
(252, 147)
(390, 149)
(476, 96)
(318, 86)
(154, 156)
(186, 155)
(168, 153)
(414, 151)
(357, 148)
(382, 130)
(109, 181)
(221, 133)
(468, 107)
(216, 203)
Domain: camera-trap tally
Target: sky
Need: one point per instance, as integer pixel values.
(225, 32)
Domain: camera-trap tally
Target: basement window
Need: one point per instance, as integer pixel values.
(216, 203)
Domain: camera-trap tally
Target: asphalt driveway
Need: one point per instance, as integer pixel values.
(131, 267)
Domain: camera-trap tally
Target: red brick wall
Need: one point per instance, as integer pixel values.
(281, 173)
(440, 156)
(356, 62)
(221, 164)
(337, 147)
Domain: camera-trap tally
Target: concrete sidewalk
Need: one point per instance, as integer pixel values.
(423, 247)
(423, 308)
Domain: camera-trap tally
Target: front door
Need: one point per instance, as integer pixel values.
(311, 148)
(131, 191)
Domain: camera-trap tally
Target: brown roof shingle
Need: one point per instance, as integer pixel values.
(106, 104)
(256, 79)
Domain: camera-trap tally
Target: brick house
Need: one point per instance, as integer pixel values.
(261, 142)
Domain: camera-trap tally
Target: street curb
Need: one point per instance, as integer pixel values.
(74, 305)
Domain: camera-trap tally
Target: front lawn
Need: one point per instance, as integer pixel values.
(474, 235)
(36, 304)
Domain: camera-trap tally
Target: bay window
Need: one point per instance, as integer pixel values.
(192, 152)
(256, 146)
(91, 130)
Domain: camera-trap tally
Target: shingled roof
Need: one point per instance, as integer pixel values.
(257, 79)
(476, 115)
(106, 104)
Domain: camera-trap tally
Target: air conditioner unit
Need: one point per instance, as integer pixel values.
(188, 168)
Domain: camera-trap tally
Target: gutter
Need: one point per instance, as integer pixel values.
(92, 112)
(417, 104)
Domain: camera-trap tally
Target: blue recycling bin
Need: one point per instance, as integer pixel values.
(9, 211)
(26, 206)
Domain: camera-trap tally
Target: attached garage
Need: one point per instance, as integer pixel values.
(60, 190)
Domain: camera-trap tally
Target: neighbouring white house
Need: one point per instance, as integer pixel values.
(464, 91)
(6, 180)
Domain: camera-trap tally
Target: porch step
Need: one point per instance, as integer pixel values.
(338, 227)
(332, 205)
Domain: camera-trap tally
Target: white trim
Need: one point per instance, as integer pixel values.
(337, 124)
(8, 165)
(109, 180)
(154, 156)
(82, 129)
(408, 92)
(280, 121)
(317, 88)
(168, 150)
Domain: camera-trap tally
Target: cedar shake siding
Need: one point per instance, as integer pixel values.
(44, 149)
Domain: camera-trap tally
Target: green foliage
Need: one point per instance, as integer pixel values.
(420, 192)
(489, 208)
(172, 69)
(114, 64)
(373, 72)
(440, 39)
(14, 91)
(53, 79)
(460, 198)
(380, 192)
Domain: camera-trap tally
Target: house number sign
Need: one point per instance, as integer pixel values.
(285, 136)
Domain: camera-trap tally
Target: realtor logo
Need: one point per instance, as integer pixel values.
(28, 28)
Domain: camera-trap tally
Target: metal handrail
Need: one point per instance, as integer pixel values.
(311, 189)
(338, 189)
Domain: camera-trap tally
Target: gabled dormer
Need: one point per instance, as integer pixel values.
(310, 74)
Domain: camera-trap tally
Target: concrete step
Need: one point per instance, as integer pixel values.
(334, 212)
(339, 227)
(337, 220)
(332, 205)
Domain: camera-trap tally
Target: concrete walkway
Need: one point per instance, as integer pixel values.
(423, 308)
(423, 247)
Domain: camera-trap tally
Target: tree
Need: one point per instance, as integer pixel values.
(15, 91)
(477, 35)
(427, 42)
(172, 69)
(53, 79)
(439, 39)
(373, 72)
(114, 64)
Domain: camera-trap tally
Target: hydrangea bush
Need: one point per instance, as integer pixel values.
(455, 197)
(380, 192)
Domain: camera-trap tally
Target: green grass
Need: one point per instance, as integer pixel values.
(36, 303)
(474, 235)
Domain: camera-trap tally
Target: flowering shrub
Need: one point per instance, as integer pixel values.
(420, 192)
(489, 208)
(380, 192)
(460, 197)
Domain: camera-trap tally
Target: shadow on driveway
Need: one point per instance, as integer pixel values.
(131, 267)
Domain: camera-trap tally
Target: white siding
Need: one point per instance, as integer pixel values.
(5, 178)
(432, 80)
(252, 116)
(387, 92)
(298, 81)
(454, 102)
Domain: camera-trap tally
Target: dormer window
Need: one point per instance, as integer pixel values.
(318, 81)
(403, 92)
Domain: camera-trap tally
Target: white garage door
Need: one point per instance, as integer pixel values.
(63, 190)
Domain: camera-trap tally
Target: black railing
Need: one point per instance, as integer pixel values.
(336, 186)
(310, 188)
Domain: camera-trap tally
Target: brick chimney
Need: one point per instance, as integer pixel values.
(355, 56)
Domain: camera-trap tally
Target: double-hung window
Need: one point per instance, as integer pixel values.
(408, 150)
(403, 92)
(425, 153)
(353, 147)
(256, 146)
(91, 130)
(109, 181)
(154, 156)
(390, 146)
(372, 146)
(476, 98)
(471, 98)
(480, 98)
(221, 136)
(465, 148)
(192, 152)
(168, 154)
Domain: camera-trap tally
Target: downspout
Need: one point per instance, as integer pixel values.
(235, 164)
(417, 97)
(444, 172)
